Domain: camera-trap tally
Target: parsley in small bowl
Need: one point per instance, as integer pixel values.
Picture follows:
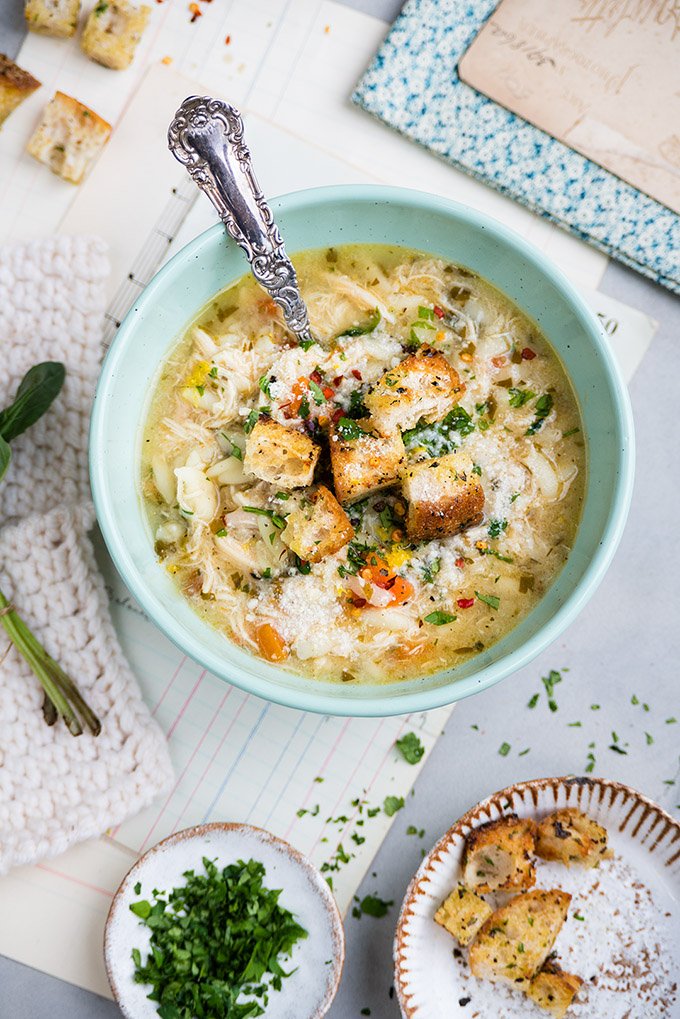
(226, 921)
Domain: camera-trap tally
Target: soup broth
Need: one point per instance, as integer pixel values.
(381, 505)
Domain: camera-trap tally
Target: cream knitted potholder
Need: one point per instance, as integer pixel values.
(57, 789)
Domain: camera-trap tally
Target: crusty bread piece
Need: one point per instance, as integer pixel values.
(15, 86)
(318, 526)
(444, 496)
(112, 31)
(68, 138)
(280, 455)
(58, 18)
(497, 856)
(462, 914)
(516, 940)
(423, 386)
(554, 990)
(366, 464)
(571, 837)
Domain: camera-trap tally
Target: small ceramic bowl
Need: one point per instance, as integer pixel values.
(624, 916)
(343, 215)
(317, 960)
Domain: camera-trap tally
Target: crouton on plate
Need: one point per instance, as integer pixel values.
(424, 386)
(15, 86)
(280, 455)
(112, 32)
(318, 526)
(364, 462)
(571, 837)
(497, 856)
(68, 138)
(58, 18)
(444, 496)
(554, 990)
(516, 940)
(462, 914)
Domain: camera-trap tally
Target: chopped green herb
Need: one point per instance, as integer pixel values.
(236, 451)
(303, 410)
(222, 533)
(634, 700)
(542, 408)
(410, 748)
(518, 397)
(357, 408)
(213, 372)
(278, 521)
(438, 439)
(534, 701)
(550, 682)
(578, 916)
(439, 618)
(349, 429)
(267, 574)
(492, 600)
(424, 312)
(306, 344)
(371, 905)
(478, 470)
(200, 390)
(362, 330)
(430, 570)
(250, 422)
(264, 383)
(572, 431)
(523, 753)
(649, 738)
(392, 804)
(496, 527)
(317, 392)
(504, 749)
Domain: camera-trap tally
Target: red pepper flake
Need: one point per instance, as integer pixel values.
(528, 354)
(337, 414)
(498, 362)
(358, 603)
(328, 392)
(316, 377)
(356, 373)
(227, 40)
(465, 603)
(460, 562)
(327, 29)
(337, 380)
(439, 312)
(195, 11)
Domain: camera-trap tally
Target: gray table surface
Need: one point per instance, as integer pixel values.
(626, 643)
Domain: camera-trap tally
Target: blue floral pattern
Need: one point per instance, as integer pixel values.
(413, 85)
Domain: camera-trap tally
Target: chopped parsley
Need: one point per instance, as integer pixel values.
(317, 392)
(235, 451)
(550, 682)
(349, 429)
(518, 397)
(410, 748)
(504, 749)
(362, 330)
(542, 408)
(372, 905)
(303, 410)
(357, 408)
(276, 519)
(430, 570)
(496, 528)
(439, 438)
(265, 385)
(392, 804)
(534, 701)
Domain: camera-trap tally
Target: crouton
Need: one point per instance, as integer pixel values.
(444, 496)
(15, 86)
(68, 138)
(497, 856)
(554, 990)
(571, 837)
(516, 940)
(282, 456)
(423, 387)
(364, 463)
(462, 914)
(58, 18)
(112, 32)
(318, 526)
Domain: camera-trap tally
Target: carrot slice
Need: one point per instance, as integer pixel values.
(271, 644)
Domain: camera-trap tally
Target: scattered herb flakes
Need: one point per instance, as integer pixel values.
(373, 905)
(518, 397)
(504, 749)
(595, 707)
(671, 721)
(634, 700)
(138, 888)
(649, 739)
(523, 753)
(392, 804)
(410, 748)
(362, 330)
(578, 916)
(591, 763)
(365, 1011)
(219, 936)
(534, 701)
(430, 570)
(496, 528)
(542, 408)
(550, 682)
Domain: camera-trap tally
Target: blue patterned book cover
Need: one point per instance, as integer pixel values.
(413, 86)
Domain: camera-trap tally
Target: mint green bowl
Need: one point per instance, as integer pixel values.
(341, 215)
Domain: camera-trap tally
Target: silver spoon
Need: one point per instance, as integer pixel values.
(206, 135)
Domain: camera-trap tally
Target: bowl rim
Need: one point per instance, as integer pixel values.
(478, 815)
(315, 699)
(263, 835)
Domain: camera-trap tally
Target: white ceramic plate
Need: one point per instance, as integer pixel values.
(309, 991)
(622, 935)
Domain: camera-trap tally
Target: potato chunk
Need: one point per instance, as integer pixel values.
(318, 526)
(58, 18)
(571, 837)
(112, 31)
(423, 386)
(68, 138)
(280, 455)
(444, 496)
(516, 940)
(15, 86)
(364, 464)
(497, 856)
(554, 990)
(462, 914)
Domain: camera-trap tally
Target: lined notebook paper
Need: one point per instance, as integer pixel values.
(236, 757)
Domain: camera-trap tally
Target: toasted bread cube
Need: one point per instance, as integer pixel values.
(516, 940)
(15, 86)
(282, 456)
(112, 32)
(571, 837)
(68, 138)
(462, 914)
(554, 990)
(58, 18)
(444, 496)
(364, 464)
(318, 526)
(497, 856)
(423, 387)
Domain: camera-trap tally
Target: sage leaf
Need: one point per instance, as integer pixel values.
(37, 390)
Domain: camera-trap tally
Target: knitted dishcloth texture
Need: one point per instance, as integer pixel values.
(56, 789)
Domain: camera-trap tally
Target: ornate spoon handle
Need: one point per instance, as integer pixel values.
(206, 135)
